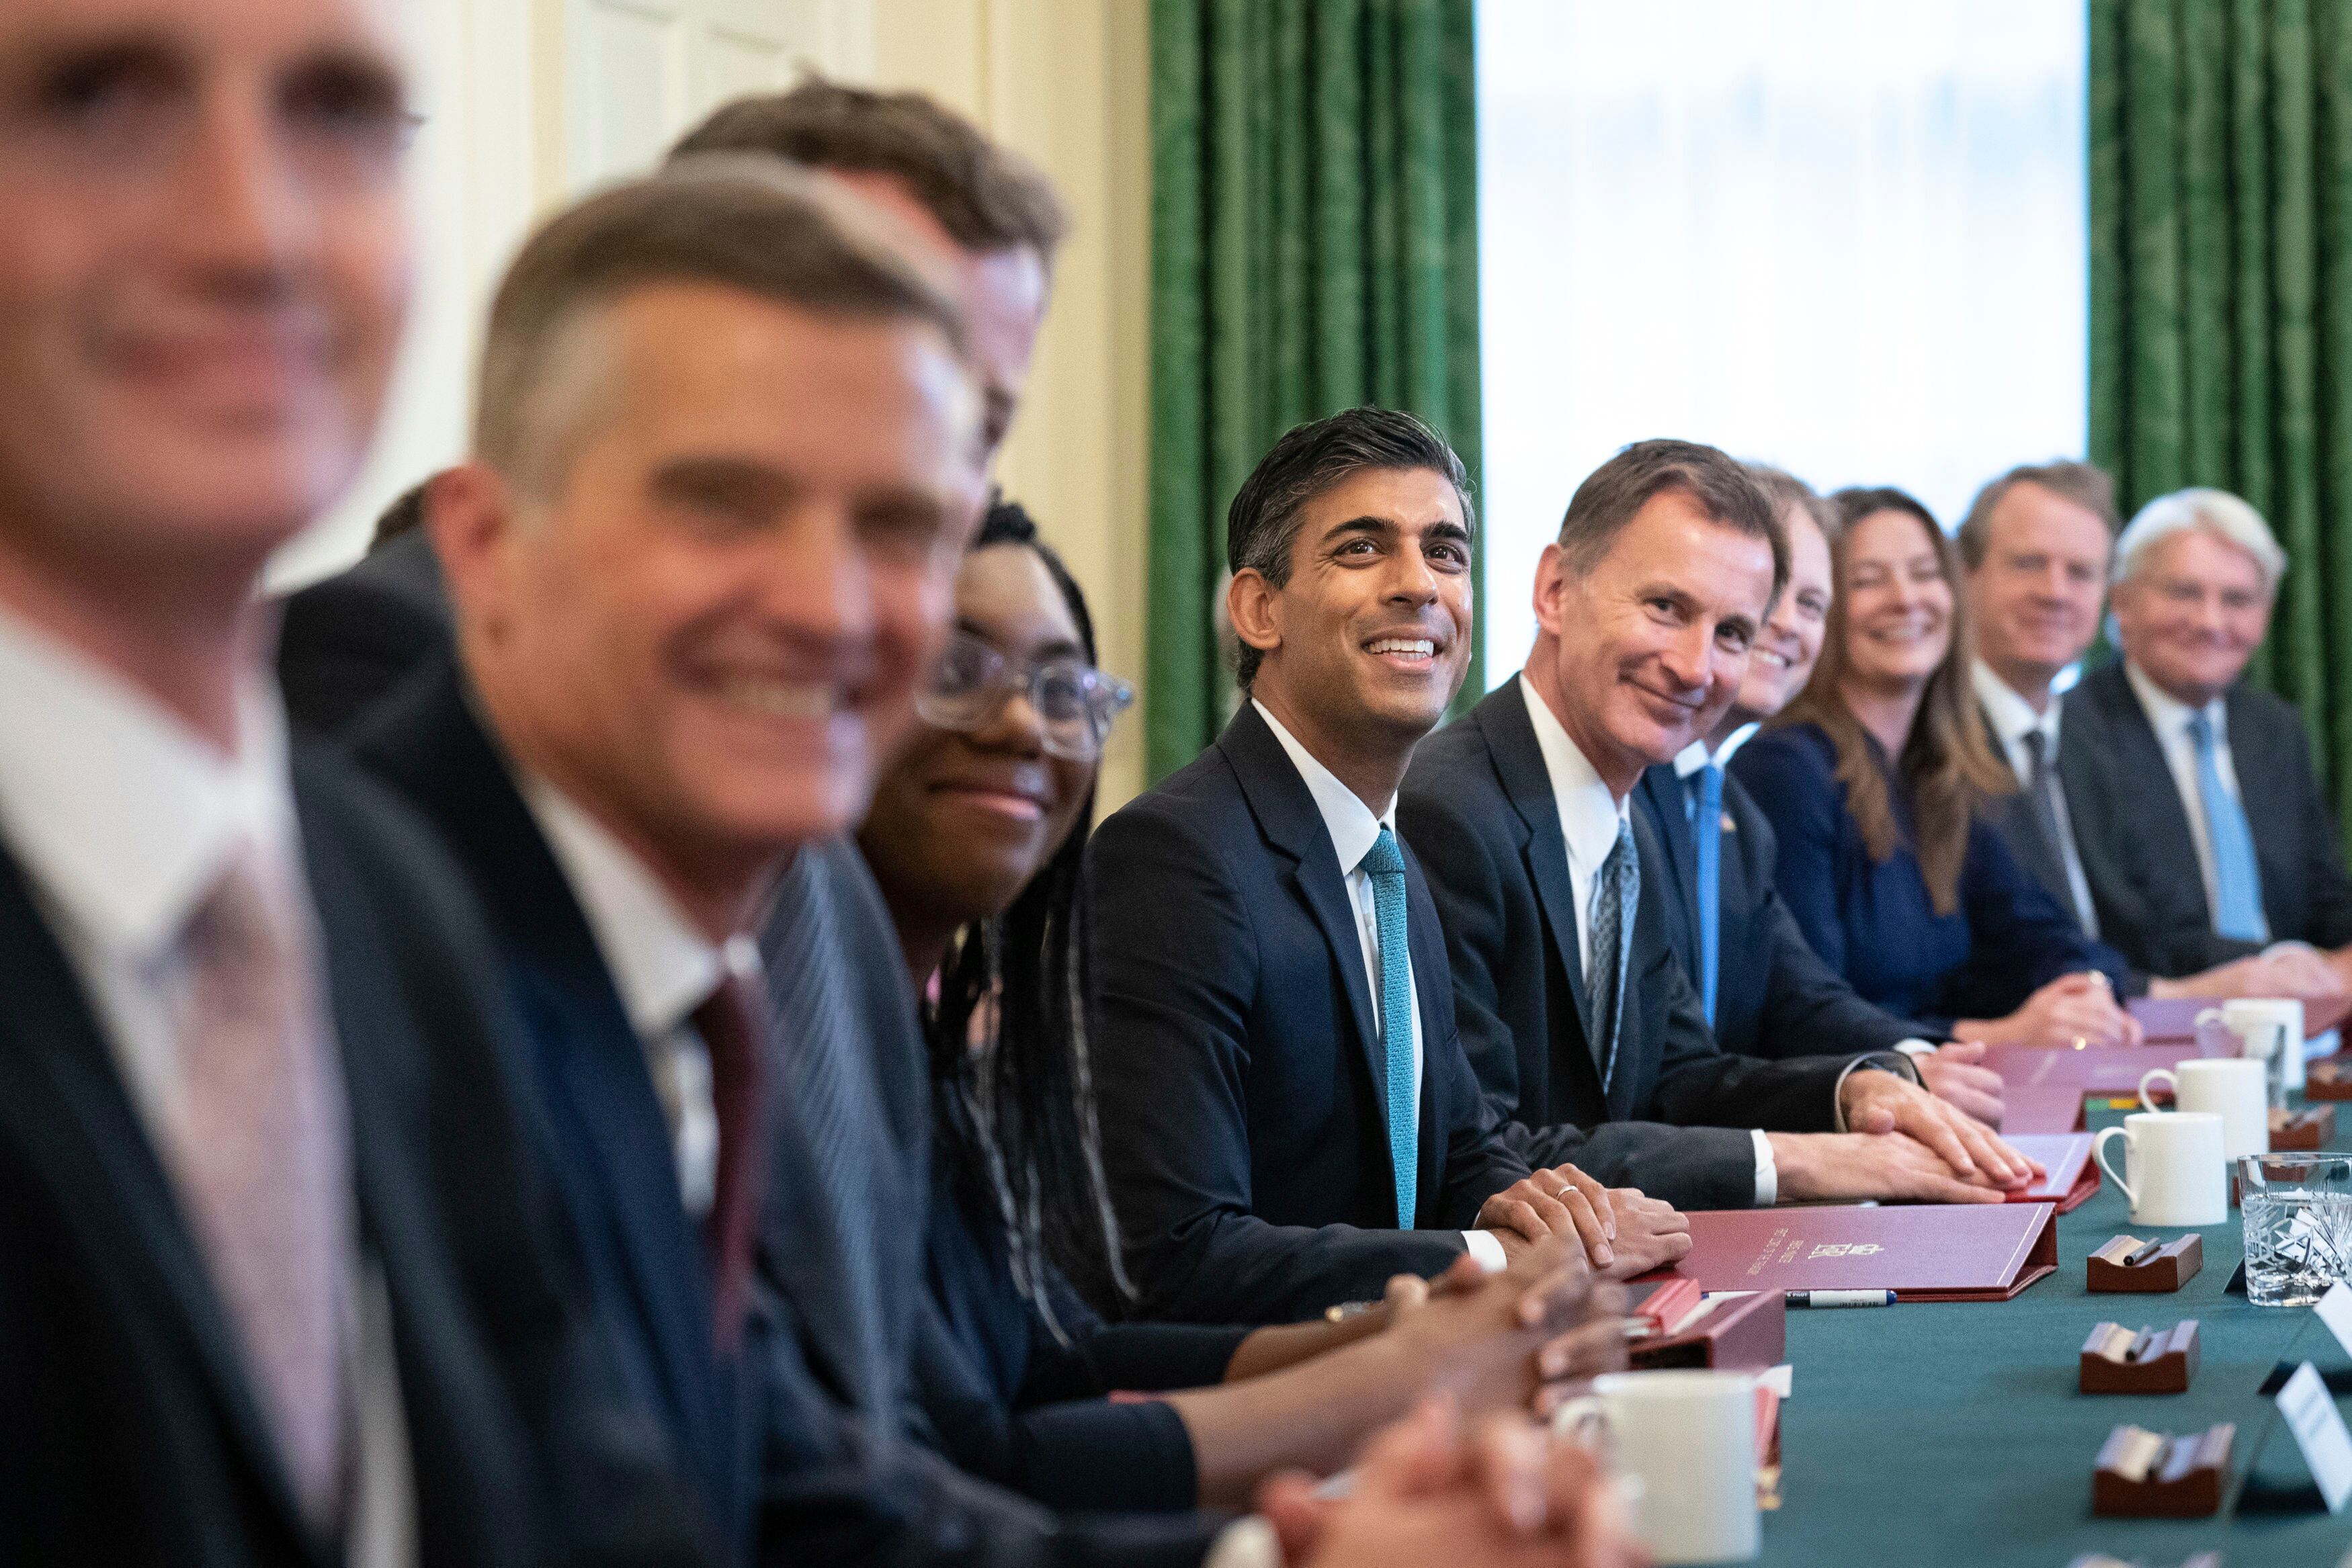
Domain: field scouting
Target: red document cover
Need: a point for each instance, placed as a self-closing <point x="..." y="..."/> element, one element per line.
<point x="1746" y="1333"/>
<point x="2074" y="1175"/>
<point x="1930" y="1252"/>
<point x="2167" y="1023"/>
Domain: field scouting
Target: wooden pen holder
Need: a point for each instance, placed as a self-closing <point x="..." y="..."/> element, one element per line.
<point x="2327" y="1080"/>
<point x="2152" y="1475"/>
<point x="2313" y="1127"/>
<point x="2118" y="1360"/>
<point x="2172" y="1265"/>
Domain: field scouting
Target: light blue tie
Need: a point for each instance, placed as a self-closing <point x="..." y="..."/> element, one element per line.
<point x="1385" y="865"/>
<point x="2237" y="877"/>
<point x="1706" y="832"/>
<point x="1616" y="894"/>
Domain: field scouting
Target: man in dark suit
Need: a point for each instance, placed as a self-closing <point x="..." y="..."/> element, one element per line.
<point x="2212" y="840"/>
<point x="1575" y="1012"/>
<point x="2036" y="544"/>
<point x="1288" y="1117"/>
<point x="347" y="641"/>
<point x="284" y="1282"/>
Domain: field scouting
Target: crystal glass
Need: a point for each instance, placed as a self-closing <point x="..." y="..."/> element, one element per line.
<point x="2298" y="1217"/>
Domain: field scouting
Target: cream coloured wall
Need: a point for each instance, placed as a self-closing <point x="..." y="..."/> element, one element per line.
<point x="528" y="102"/>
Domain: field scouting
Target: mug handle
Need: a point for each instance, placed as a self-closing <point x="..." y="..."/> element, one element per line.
<point x="2099" y="1153"/>
<point x="2150" y="1076"/>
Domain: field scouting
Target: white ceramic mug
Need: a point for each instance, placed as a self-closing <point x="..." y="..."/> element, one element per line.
<point x="1689" y="1439"/>
<point x="2173" y="1170"/>
<point x="2234" y="1088"/>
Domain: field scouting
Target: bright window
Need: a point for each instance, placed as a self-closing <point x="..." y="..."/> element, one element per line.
<point x="1846" y="236"/>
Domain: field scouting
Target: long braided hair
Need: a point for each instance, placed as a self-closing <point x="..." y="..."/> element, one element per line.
<point x="1011" y="1032"/>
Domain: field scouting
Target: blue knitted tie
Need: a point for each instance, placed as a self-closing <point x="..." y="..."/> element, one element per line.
<point x="1706" y="832"/>
<point x="1384" y="863"/>
<point x="2237" y="878"/>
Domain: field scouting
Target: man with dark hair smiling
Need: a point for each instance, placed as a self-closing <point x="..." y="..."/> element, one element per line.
<point x="1290" y="1118"/>
<point x="1581" y="1024"/>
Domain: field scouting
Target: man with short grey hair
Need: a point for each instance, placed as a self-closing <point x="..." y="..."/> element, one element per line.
<point x="2205" y="785"/>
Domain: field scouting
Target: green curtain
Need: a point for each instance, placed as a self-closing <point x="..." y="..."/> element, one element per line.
<point x="1313" y="246"/>
<point x="2220" y="173"/>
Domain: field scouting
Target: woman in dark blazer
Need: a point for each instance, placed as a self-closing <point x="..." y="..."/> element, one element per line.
<point x="1872" y="778"/>
<point x="976" y="837"/>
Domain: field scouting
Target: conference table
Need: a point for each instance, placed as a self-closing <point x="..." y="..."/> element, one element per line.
<point x="1953" y="1432"/>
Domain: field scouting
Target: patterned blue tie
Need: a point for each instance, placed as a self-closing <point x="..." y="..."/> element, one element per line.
<point x="1703" y="798"/>
<point x="1616" y="894"/>
<point x="2237" y="878"/>
<point x="1384" y="863"/>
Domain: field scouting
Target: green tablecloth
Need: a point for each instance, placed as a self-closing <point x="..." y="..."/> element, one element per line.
<point x="1953" y="1432"/>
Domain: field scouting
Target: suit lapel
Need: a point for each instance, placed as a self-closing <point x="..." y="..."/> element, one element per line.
<point x="65" y="1111"/>
<point x="1290" y="824"/>
<point x="1510" y="735"/>
<point x="2140" y="769"/>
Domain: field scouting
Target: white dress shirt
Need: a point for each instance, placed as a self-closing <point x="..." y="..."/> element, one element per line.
<point x="2169" y="719"/>
<point x="662" y="966"/>
<point x="1353" y="829"/>
<point x="1590" y="816"/>
<point x="2013" y="719"/>
<point x="124" y="820"/>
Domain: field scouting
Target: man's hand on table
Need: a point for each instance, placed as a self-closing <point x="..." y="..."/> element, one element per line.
<point x="1623" y="1232"/>
<point x="1847" y="1166"/>
<point x="1882" y="1102"/>
<point x="1956" y="1074"/>
<point x="1510" y="1496"/>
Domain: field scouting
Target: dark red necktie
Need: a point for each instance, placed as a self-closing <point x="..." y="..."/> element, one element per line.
<point x="732" y="1027"/>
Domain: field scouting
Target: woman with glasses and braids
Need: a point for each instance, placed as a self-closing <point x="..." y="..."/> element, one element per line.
<point x="976" y="835"/>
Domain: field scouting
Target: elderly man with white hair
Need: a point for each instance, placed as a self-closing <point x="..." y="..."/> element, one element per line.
<point x="2207" y="799"/>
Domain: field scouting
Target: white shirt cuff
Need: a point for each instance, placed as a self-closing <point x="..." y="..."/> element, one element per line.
<point x="1916" y="1049"/>
<point x="1768" y="1170"/>
<point x="1247" y="1543"/>
<point x="1487" y="1248"/>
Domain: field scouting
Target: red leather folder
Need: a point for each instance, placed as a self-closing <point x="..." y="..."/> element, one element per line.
<point x="1927" y="1252"/>
<point x="2074" y="1175"/>
<point x="2166" y="1022"/>
<point x="1736" y="1333"/>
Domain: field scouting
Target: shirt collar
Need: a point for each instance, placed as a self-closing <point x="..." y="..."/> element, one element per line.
<point x="2167" y="715"/>
<point x="1349" y="821"/>
<point x="662" y="966"/>
<point x="122" y="815"/>
<point x="1589" y="814"/>
<point x="2012" y="716"/>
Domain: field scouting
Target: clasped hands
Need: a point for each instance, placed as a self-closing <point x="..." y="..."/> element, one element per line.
<point x="1623" y="1232"/>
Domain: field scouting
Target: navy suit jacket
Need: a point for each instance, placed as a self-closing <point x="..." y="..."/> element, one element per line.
<point x="1774" y="997"/>
<point x="1240" y="1069"/>
<point x="610" y="1143"/>
<point x="796" y="1440"/>
<point x="1479" y="806"/>
<point x="2141" y="862"/>
<point x="131" y="1434"/>
<point x="1874" y="921"/>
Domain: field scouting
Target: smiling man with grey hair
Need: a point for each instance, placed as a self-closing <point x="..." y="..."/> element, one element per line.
<point x="2207" y="787"/>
